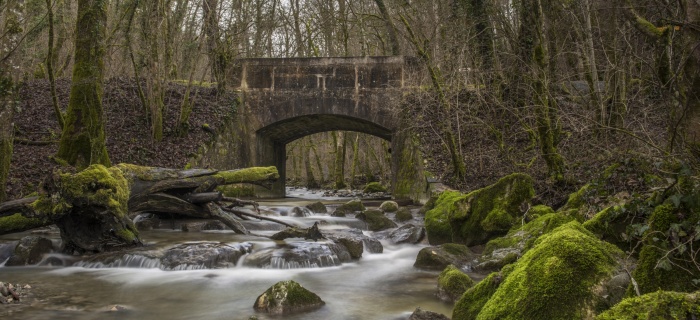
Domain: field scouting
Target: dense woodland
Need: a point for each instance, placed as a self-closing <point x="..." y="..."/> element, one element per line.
<point x="597" y="96"/>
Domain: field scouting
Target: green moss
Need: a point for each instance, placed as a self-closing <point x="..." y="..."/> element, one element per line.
<point x="538" y="211"/>
<point x="438" y="258"/>
<point x="491" y="211"/>
<point x="610" y="225"/>
<point x="554" y="279"/>
<point x="474" y="299"/>
<point x="660" y="266"/>
<point x="287" y="297"/>
<point x="437" y="220"/>
<point x="17" y="222"/>
<point x="523" y="237"/>
<point x="577" y="199"/>
<point x="476" y="217"/>
<point x="249" y="175"/>
<point x="374" y="187"/>
<point x="656" y="305"/>
<point x="376" y="220"/>
<point x="452" y="282"/>
<point x="404" y="214"/>
<point x="429" y="205"/>
<point x="389" y="206"/>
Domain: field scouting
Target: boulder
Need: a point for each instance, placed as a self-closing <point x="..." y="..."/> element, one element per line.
<point x="420" y="314"/>
<point x="656" y="305"/>
<point x="350" y="207"/>
<point x="287" y="297"/>
<point x="376" y="220"/>
<point x="204" y="255"/>
<point x="403" y="214"/>
<point x="30" y="250"/>
<point x="355" y="241"/>
<point x="317" y="207"/>
<point x="480" y="215"/>
<point x="473" y="300"/>
<point x="408" y="233"/>
<point x="299" y="255"/>
<point x="452" y="283"/>
<point x="389" y="206"/>
<point x="438" y="258"/>
<point x="300" y="212"/>
<point x="557" y="279"/>
<point x="199" y="226"/>
<point x="504" y="250"/>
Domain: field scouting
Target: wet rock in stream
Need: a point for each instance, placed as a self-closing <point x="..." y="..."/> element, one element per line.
<point x="299" y="255"/>
<point x="286" y="297"/>
<point x="30" y="250"/>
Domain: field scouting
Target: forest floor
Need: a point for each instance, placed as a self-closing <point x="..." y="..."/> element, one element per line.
<point x="127" y="129"/>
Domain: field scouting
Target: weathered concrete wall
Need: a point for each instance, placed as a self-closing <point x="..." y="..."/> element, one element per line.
<point x="287" y="99"/>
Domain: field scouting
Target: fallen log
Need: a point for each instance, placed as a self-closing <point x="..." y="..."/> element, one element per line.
<point x="93" y="208"/>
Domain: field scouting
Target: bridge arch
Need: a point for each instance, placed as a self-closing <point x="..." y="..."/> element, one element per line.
<point x="287" y="99"/>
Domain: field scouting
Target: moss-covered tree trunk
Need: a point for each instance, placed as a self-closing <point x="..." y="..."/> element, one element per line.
<point x="93" y="208"/>
<point x="390" y="29"/>
<point x="83" y="138"/>
<point x="153" y="33"/>
<point x="533" y="52"/>
<point x="50" y="59"/>
<point x="10" y="31"/>
<point x="339" y="168"/>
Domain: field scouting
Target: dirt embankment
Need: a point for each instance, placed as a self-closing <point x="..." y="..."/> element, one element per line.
<point x="127" y="129"/>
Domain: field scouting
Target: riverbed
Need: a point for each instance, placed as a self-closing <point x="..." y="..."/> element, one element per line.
<point x="376" y="286"/>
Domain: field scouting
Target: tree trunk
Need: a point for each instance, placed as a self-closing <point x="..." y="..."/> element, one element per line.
<point x="10" y="29"/>
<point x="390" y="29"/>
<point x="92" y="208"/>
<point x="153" y="26"/>
<point x="83" y="139"/>
<point x="50" y="59"/>
<point x="217" y="58"/>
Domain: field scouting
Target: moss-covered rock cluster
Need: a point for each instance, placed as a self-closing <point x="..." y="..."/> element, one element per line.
<point x="376" y="220"/>
<point x="556" y="279"/>
<point x="656" y="305"/>
<point x="350" y="207"/>
<point x="480" y="215"/>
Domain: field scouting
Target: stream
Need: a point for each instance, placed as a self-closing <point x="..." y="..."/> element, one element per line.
<point x="376" y="286"/>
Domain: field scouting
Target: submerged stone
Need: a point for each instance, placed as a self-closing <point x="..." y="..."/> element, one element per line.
<point x="286" y="297"/>
<point x="420" y="314"/>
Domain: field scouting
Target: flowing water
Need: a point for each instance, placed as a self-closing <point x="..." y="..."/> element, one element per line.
<point x="377" y="286"/>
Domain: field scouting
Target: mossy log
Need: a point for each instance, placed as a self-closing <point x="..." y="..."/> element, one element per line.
<point x="93" y="208"/>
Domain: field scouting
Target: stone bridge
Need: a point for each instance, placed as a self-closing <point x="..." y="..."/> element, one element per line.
<point x="288" y="98"/>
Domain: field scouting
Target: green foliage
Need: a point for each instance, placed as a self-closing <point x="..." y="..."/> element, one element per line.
<point x="554" y="279"/>
<point x="656" y="305"/>
<point x="453" y="282"/>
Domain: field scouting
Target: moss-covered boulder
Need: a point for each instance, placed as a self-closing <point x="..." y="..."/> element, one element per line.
<point x="420" y="314"/>
<point x="350" y="207"/>
<point x="656" y="305"/>
<point x="612" y="224"/>
<point x="473" y="300"/>
<point x="404" y="214"/>
<point x="30" y="250"/>
<point x="452" y="283"/>
<point x="376" y="220"/>
<point x="374" y="187"/>
<point x="507" y="249"/>
<point x="287" y="297"/>
<point x="439" y="257"/>
<point x="480" y="215"/>
<point x="389" y="206"/>
<point x="317" y="207"/>
<point x="556" y="279"/>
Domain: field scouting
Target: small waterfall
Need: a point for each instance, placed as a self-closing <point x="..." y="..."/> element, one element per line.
<point x="126" y="261"/>
<point x="319" y="262"/>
